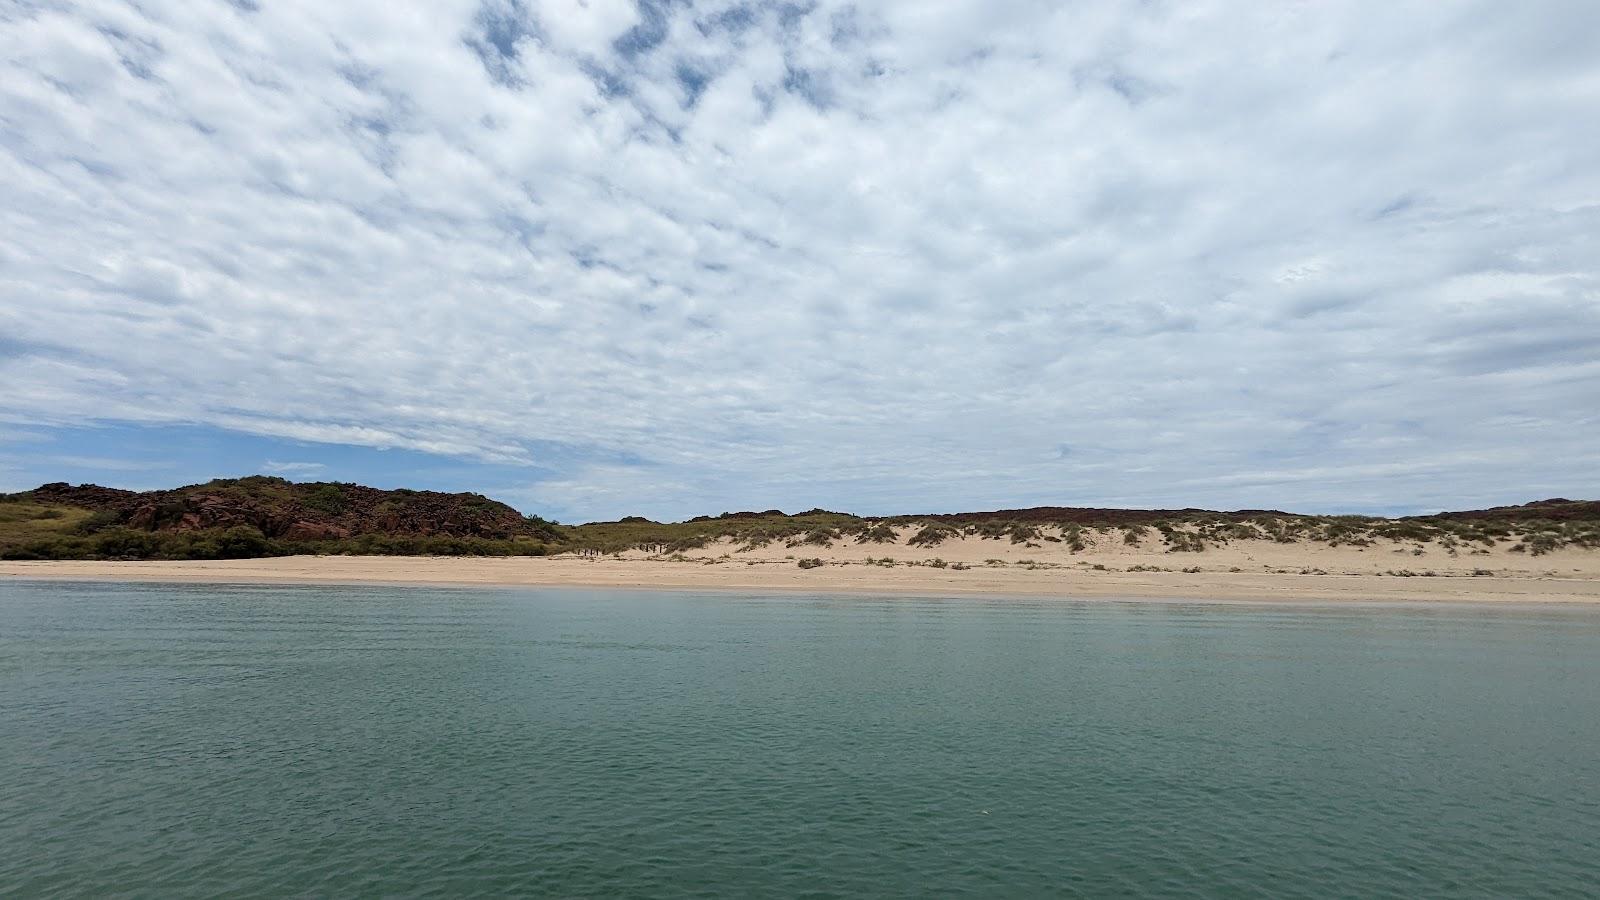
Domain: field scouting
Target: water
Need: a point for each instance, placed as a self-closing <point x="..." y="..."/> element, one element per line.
<point x="170" y="741"/>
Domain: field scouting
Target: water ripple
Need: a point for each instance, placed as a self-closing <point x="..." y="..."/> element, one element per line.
<point x="251" y="741"/>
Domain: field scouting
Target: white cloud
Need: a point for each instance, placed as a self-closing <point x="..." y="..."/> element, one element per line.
<point x="291" y="468"/>
<point x="585" y="27"/>
<point x="886" y="256"/>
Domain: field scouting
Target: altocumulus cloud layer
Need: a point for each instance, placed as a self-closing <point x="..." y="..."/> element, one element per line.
<point x="675" y="257"/>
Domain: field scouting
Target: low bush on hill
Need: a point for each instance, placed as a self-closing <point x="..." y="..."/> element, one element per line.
<point x="933" y="535"/>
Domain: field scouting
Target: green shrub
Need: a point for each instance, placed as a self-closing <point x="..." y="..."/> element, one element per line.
<point x="876" y="534"/>
<point x="932" y="535"/>
<point x="821" y="537"/>
<point x="124" y="543"/>
<point x="1542" y="543"/>
<point x="328" y="498"/>
<point x="1074" y="539"/>
<point x="1183" y="542"/>
<point x="98" y="521"/>
<point x="243" y="542"/>
<point x="48" y="548"/>
<point x="1023" y="533"/>
<point x="1405" y="531"/>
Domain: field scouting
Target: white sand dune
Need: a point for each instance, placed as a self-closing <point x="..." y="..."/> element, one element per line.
<point x="1107" y="568"/>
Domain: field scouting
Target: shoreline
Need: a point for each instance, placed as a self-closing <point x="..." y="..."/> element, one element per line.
<point x="842" y="578"/>
<point x="1320" y="601"/>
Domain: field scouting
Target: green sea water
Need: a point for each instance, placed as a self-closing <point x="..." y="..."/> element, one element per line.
<point x="168" y="741"/>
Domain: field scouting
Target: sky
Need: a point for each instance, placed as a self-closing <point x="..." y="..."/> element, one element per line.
<point x="661" y="258"/>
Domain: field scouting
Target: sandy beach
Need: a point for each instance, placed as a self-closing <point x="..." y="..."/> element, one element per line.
<point x="1243" y="570"/>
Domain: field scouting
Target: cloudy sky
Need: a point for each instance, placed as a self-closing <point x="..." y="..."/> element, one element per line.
<point x="667" y="258"/>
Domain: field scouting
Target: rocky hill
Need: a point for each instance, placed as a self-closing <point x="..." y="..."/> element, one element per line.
<point x="295" y="511"/>
<point x="1557" y="509"/>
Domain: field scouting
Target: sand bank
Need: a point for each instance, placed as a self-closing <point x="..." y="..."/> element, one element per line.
<point x="1243" y="570"/>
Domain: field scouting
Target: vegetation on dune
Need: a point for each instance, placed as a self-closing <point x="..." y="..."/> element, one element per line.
<point x="749" y="531"/>
<point x="877" y="534"/>
<point x="933" y="535"/>
<point x="262" y="516"/>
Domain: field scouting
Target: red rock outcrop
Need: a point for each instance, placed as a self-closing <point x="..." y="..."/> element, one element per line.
<point x="301" y="511"/>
